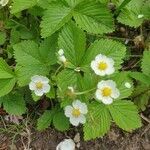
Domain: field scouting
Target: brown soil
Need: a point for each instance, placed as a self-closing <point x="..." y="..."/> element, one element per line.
<point x="48" y="140"/>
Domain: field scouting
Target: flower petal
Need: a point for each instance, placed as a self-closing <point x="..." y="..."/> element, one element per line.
<point x="82" y="119"/>
<point x="76" y="104"/>
<point x="74" y="121"/>
<point x="32" y="86"/>
<point x="39" y="92"/>
<point x="83" y="108"/>
<point x="107" y="100"/>
<point x="68" y="111"/>
<point x="46" y="88"/>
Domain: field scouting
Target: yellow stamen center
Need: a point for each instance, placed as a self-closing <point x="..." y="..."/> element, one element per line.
<point x="106" y="91"/>
<point x="76" y="112"/>
<point x="39" y="85"/>
<point x="102" y="66"/>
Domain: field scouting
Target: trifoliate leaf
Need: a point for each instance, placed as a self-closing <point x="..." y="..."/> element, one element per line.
<point x="110" y="48"/>
<point x="130" y="13"/>
<point x="72" y="40"/>
<point x="125" y="115"/>
<point x="19" y="5"/>
<point x="93" y="17"/>
<point x="54" y="18"/>
<point x="14" y="104"/>
<point x="146" y="62"/>
<point x="45" y="120"/>
<point x="97" y="121"/>
<point x="60" y="121"/>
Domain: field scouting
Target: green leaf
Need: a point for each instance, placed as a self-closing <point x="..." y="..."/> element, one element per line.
<point x="32" y="60"/>
<point x="6" y="85"/>
<point x="129" y="14"/>
<point x="45" y="120"/>
<point x="146" y="62"/>
<point x="60" y="121"/>
<point x="98" y="121"/>
<point x="125" y="115"/>
<point x="19" y="5"/>
<point x="24" y="73"/>
<point x="47" y="49"/>
<point x="141" y="96"/>
<point x="72" y="40"/>
<point x="45" y="3"/>
<point x="66" y="78"/>
<point x="14" y="104"/>
<point x="110" y="48"/>
<point x="122" y="5"/>
<point x="2" y="38"/>
<point x="145" y="10"/>
<point x="140" y="77"/>
<point x="87" y="84"/>
<point x="5" y="71"/>
<point x="120" y="79"/>
<point x="93" y="17"/>
<point x="73" y="3"/>
<point x="54" y="18"/>
<point x="7" y="78"/>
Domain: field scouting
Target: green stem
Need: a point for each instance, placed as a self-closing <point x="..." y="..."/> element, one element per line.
<point x="84" y="92"/>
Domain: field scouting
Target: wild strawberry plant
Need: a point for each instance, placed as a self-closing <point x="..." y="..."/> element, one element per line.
<point x="58" y="50"/>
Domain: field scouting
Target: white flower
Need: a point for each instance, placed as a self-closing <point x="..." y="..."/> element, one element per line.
<point x="67" y="144"/>
<point x="61" y="56"/>
<point x="140" y="16"/>
<point x="76" y="112"/>
<point x="127" y="85"/>
<point x="107" y="91"/>
<point x="39" y="85"/>
<point x="4" y="2"/>
<point x="103" y="65"/>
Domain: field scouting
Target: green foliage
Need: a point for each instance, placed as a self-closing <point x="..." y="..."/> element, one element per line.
<point x="107" y="47"/>
<point x="60" y="121"/>
<point x="32" y="59"/>
<point x="7" y="78"/>
<point x="98" y="121"/>
<point x="31" y="34"/>
<point x="145" y="63"/>
<point x="2" y="38"/>
<point x="141" y="96"/>
<point x="89" y="18"/>
<point x="19" y="5"/>
<point x="54" y="18"/>
<point x="45" y="120"/>
<point x="129" y="14"/>
<point x="14" y="104"/>
<point x="86" y="14"/>
<point x="121" y="79"/>
<point x="125" y="115"/>
<point x="73" y="41"/>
